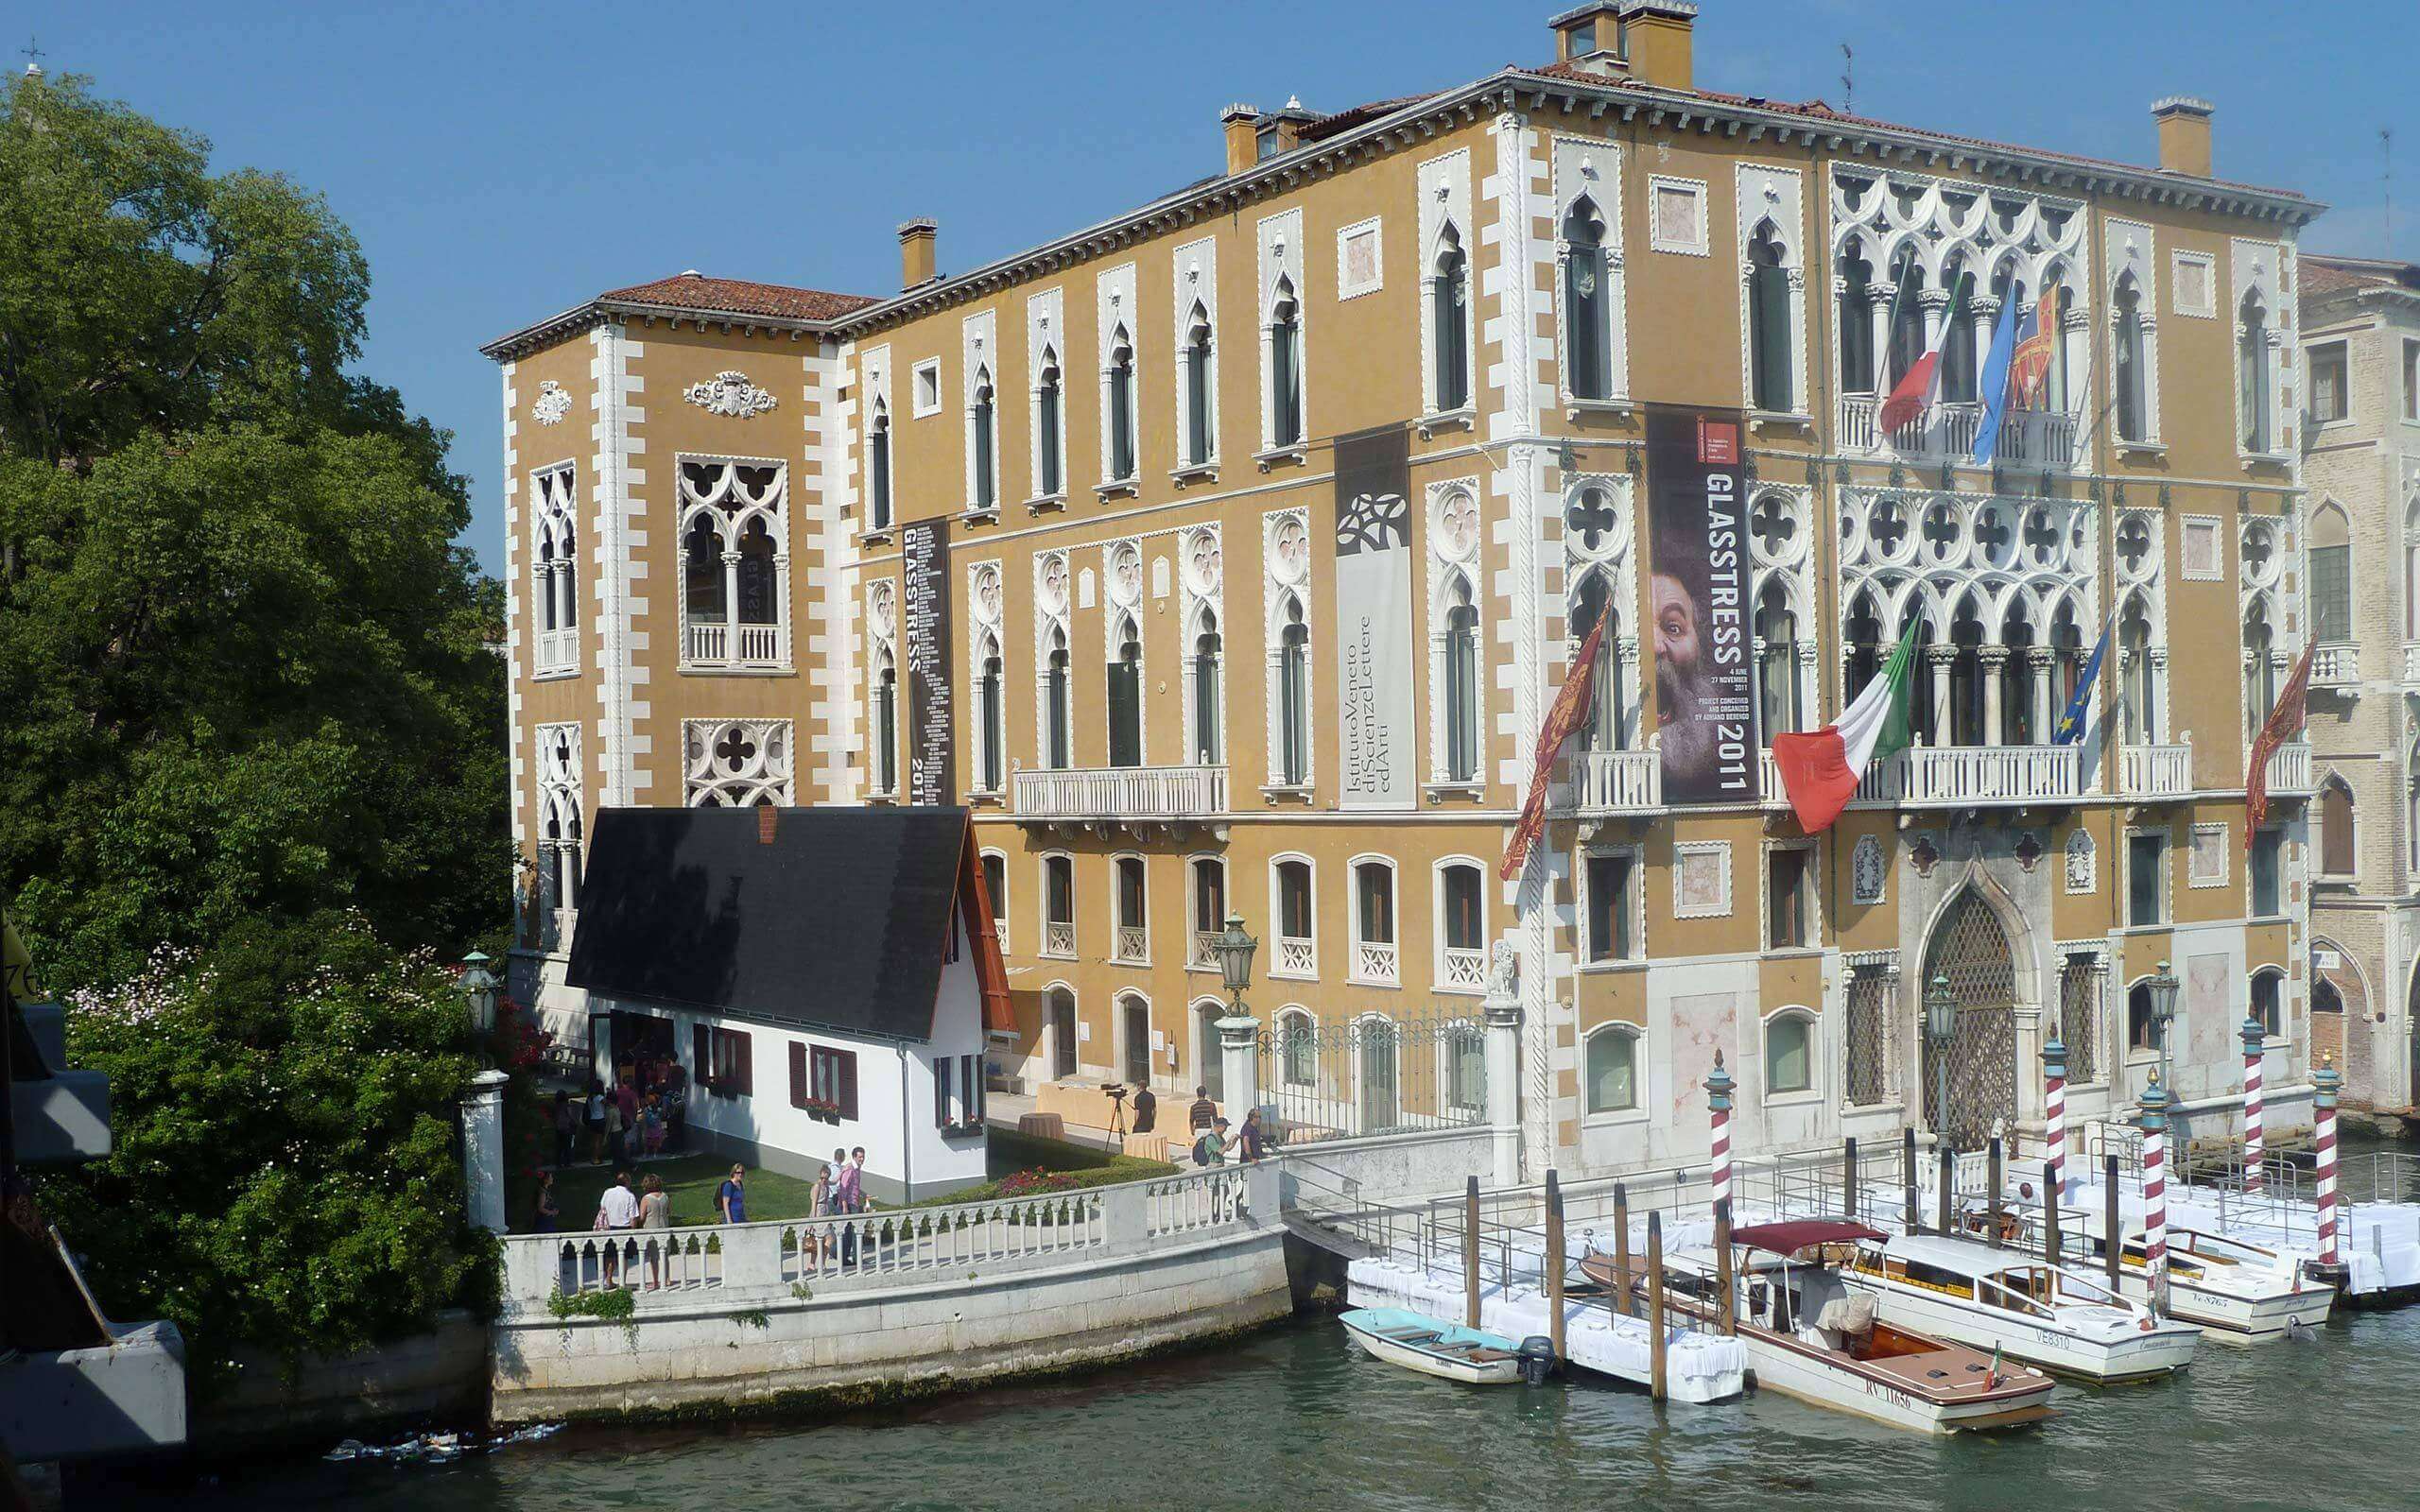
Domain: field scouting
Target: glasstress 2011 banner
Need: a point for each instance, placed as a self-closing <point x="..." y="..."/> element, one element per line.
<point x="1696" y="606"/>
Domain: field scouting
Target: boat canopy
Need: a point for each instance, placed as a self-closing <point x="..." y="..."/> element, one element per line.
<point x="1790" y="1237"/>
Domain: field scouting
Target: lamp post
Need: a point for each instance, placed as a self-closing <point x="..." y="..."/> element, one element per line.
<point x="1238" y="1036"/>
<point x="478" y="986"/>
<point x="2162" y="987"/>
<point x="1941" y="1030"/>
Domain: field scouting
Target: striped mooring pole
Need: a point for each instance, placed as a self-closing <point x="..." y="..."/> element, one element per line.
<point x="2256" y="1044"/>
<point x="2154" y="1110"/>
<point x="1717" y="1104"/>
<point x="2328" y="1083"/>
<point x="2054" y="1102"/>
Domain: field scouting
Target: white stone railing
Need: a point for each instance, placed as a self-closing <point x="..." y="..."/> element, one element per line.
<point x="2335" y="666"/>
<point x="2412" y="660"/>
<point x="2290" y="767"/>
<point x="2155" y="771"/>
<point x="1059" y="937"/>
<point x="798" y="1257"/>
<point x="1374" y="961"/>
<point x="1198" y="953"/>
<point x="557" y="650"/>
<point x="1132" y="943"/>
<point x="1948" y="430"/>
<point x="1619" y="782"/>
<point x="746" y="646"/>
<point x="1122" y="793"/>
<point x="1297" y="956"/>
<point x="1462" y="970"/>
<point x="1977" y="775"/>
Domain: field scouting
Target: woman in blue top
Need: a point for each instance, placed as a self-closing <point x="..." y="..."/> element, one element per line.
<point x="730" y="1198"/>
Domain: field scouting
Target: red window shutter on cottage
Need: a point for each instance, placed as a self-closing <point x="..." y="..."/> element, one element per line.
<point x="798" y="1074"/>
<point x="702" y="1041"/>
<point x="745" y="1064"/>
<point x="848" y="1079"/>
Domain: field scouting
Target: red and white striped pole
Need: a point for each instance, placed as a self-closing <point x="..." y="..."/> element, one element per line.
<point x="2256" y="1045"/>
<point x="1717" y="1104"/>
<point x="2054" y="1102"/>
<point x="2155" y="1108"/>
<point x="2323" y="1136"/>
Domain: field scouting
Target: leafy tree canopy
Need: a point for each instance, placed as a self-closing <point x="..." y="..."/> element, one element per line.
<point x="283" y="1173"/>
<point x="248" y="674"/>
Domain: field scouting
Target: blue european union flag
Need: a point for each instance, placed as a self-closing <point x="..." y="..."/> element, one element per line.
<point x="2070" y="727"/>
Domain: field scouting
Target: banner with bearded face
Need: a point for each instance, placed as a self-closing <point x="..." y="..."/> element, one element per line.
<point x="1698" y="606"/>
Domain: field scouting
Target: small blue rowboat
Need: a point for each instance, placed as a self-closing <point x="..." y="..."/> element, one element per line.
<point x="1446" y="1351"/>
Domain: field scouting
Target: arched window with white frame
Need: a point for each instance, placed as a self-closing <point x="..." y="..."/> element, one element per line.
<point x="982" y="447"/>
<point x="1208" y="1055"/>
<point x="885" y="722"/>
<point x="1298" y="1049"/>
<point x="1771" y="364"/>
<point x="1206" y="904"/>
<point x="1587" y="305"/>
<point x="1050" y="432"/>
<point x="1789" y="1052"/>
<point x="1290" y="652"/>
<point x="1376" y="960"/>
<point x="995" y="892"/>
<point x="879" y="468"/>
<point x="1058" y="733"/>
<point x="553" y="566"/>
<point x="1197" y="372"/>
<point x="1059" y="1025"/>
<point x="1610" y="1080"/>
<point x="1203" y="677"/>
<point x="1449" y="339"/>
<point x="1132" y="943"/>
<point x="1117" y="404"/>
<point x="1284" y="368"/>
<point x="2268" y="1001"/>
<point x="1293" y="910"/>
<point x="735" y="578"/>
<point x="991" y="716"/>
<point x="1059" y="905"/>
<point x="1125" y="696"/>
<point x="1377" y="1074"/>
<point x="2411" y="559"/>
<point x="2256" y="401"/>
<point x="2130" y="360"/>
<point x="1460" y="682"/>
<point x="2340" y="854"/>
<point x="1592" y="603"/>
<point x="1461" y="925"/>
<point x="1134" y="1038"/>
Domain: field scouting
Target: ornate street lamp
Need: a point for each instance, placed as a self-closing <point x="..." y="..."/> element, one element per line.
<point x="1940" y="1029"/>
<point x="479" y="985"/>
<point x="2162" y="987"/>
<point x="1235" y="948"/>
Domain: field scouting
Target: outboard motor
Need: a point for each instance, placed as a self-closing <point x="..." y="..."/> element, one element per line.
<point x="1537" y="1360"/>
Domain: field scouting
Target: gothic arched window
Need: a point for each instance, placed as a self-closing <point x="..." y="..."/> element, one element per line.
<point x="1769" y="324"/>
<point x="1586" y="324"/>
<point x="1449" y="322"/>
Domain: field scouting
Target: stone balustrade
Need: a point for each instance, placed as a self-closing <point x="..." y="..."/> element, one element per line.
<point x="2335" y="666"/>
<point x="1975" y="776"/>
<point x="2289" y="768"/>
<point x="1111" y="793"/>
<point x="1619" y="782"/>
<point x="2155" y="771"/>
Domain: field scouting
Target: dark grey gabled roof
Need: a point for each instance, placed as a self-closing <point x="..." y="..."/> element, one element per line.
<point x="840" y="919"/>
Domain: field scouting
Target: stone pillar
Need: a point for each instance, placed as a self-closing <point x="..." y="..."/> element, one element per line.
<point x="1939" y="659"/>
<point x="2039" y="665"/>
<point x="1504" y="1086"/>
<point x="1239" y="1063"/>
<point x="483" y="1150"/>
<point x="1995" y="660"/>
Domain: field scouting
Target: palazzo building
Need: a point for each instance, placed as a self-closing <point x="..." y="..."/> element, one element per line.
<point x="1227" y="555"/>
<point x="2361" y="339"/>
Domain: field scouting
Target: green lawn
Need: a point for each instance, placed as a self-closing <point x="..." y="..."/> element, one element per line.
<point x="691" y="1180"/>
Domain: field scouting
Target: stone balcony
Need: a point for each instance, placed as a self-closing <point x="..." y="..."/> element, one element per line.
<point x="1975" y="777"/>
<point x="1945" y="433"/>
<point x="1145" y="799"/>
<point x="2410" y="664"/>
<point x="744" y="646"/>
<point x="1617" y="781"/>
<point x="2155" y="771"/>
<point x="2336" y="664"/>
<point x="2289" y="770"/>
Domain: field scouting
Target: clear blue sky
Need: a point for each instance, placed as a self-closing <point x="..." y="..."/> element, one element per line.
<point x="501" y="163"/>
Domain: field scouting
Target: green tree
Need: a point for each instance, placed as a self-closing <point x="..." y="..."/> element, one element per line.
<point x="283" y="1173"/>
<point x="247" y="675"/>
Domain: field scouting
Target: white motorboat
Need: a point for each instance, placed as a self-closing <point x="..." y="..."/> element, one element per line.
<point x="1809" y="1336"/>
<point x="2236" y="1291"/>
<point x="2007" y="1299"/>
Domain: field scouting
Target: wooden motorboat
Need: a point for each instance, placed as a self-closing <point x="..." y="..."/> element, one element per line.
<point x="1446" y="1351"/>
<point x="2237" y="1293"/>
<point x="2050" y="1315"/>
<point x="1809" y="1336"/>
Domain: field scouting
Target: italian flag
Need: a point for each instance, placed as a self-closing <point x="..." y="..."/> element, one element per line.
<point x="1821" y="768"/>
<point x="1921" y="384"/>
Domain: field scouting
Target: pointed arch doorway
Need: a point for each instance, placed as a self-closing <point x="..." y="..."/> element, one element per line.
<point x="1971" y="949"/>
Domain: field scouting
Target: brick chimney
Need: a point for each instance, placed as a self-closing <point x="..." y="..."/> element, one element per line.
<point x="769" y="819"/>
<point x="916" y="246"/>
<point x="1655" y="35"/>
<point x="2183" y="135"/>
<point x="1241" y="123"/>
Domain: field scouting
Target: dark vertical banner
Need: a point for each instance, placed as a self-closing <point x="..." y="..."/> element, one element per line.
<point x="1373" y="631"/>
<point x="932" y="772"/>
<point x="1697" y="605"/>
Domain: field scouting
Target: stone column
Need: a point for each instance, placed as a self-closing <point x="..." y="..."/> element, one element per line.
<point x="483" y="1150"/>
<point x="1239" y="1063"/>
<point x="2039" y="664"/>
<point x="1995" y="660"/>
<point x="1939" y="659"/>
<point x="1504" y="1085"/>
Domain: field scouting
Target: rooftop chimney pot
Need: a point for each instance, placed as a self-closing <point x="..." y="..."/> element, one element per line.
<point x="2184" y="124"/>
<point x="917" y="239"/>
<point x="1241" y="125"/>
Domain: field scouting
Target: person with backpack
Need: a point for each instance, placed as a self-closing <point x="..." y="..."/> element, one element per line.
<point x="1211" y="1148"/>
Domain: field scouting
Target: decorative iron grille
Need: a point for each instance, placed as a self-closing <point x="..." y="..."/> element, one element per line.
<point x="1372" y="1075"/>
<point x="1972" y="952"/>
<point x="2080" y="1016"/>
<point x="1871" y="1071"/>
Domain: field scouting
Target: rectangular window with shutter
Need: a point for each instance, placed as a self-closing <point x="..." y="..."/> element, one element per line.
<point x="942" y="1111"/>
<point x="832" y="1077"/>
<point x="798" y="1074"/>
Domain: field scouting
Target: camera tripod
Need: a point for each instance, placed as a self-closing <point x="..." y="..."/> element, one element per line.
<point x="1117" y="1113"/>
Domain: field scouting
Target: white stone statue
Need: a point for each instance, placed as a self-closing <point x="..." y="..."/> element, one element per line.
<point x="1504" y="970"/>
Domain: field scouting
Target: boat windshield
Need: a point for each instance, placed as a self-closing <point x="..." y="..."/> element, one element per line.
<point x="2025" y="1289"/>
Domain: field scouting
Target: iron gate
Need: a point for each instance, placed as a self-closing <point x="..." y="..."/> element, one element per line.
<point x="1970" y="949"/>
<point x="1371" y="1076"/>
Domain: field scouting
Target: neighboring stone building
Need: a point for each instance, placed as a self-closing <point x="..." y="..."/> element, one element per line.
<point x="1226" y="556"/>
<point x="2360" y="338"/>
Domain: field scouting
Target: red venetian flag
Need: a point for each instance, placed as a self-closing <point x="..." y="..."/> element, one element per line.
<point x="1921" y="384"/>
<point x="1570" y="707"/>
<point x="2029" y="369"/>
<point x="2284" y="723"/>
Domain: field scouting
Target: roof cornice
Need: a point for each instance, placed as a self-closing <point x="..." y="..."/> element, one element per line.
<point x="583" y="318"/>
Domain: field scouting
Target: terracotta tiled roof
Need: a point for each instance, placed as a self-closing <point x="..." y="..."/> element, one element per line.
<point x="1818" y="110"/>
<point x="2323" y="275"/>
<point x="1328" y="125"/>
<point x="732" y="296"/>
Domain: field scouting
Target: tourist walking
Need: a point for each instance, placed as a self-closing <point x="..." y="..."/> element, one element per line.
<point x="566" y="1125"/>
<point x="847" y="1196"/>
<point x="595" y="1122"/>
<point x="1211" y="1148"/>
<point x="548" y="1211"/>
<point x="613" y="1141"/>
<point x="730" y="1198"/>
<point x="652" y="1125"/>
<point x="655" y="1212"/>
<point x="617" y="1212"/>
<point x="1249" y="1146"/>
<point x="1147" y="1109"/>
<point x="1205" y="1112"/>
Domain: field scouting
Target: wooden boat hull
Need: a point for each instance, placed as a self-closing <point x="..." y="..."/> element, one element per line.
<point x="2114" y="1360"/>
<point x="1410" y="1341"/>
<point x="1808" y="1378"/>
